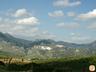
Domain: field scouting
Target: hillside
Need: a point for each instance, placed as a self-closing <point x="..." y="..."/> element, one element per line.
<point x="54" y="65"/>
<point x="44" y="48"/>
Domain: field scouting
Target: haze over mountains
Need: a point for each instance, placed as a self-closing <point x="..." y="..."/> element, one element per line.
<point x="26" y="43"/>
<point x="42" y="48"/>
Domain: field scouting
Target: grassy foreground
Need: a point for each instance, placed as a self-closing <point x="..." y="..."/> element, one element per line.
<point x="59" y="65"/>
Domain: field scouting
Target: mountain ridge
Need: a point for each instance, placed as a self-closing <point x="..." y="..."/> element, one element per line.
<point x="43" y="48"/>
<point x="26" y="43"/>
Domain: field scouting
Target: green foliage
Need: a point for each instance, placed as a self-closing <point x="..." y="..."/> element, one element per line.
<point x="53" y="65"/>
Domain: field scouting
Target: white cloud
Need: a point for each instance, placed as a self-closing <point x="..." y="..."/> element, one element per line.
<point x="19" y="31"/>
<point x="33" y="30"/>
<point x="74" y="34"/>
<point x="81" y="39"/>
<point x="10" y="26"/>
<point x="66" y="3"/>
<point x="21" y="13"/>
<point x="58" y="13"/>
<point x="45" y="32"/>
<point x="18" y="28"/>
<point x="44" y="35"/>
<point x="78" y="37"/>
<point x="23" y="27"/>
<point x="6" y="24"/>
<point x="88" y="15"/>
<point x="28" y="21"/>
<point x="71" y="14"/>
<point x="92" y="26"/>
<point x="24" y="31"/>
<point x="68" y="26"/>
<point x="0" y="19"/>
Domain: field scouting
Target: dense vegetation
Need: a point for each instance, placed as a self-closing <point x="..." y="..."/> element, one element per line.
<point x="51" y="65"/>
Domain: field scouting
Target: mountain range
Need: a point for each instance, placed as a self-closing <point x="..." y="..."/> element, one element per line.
<point x="26" y="43"/>
<point x="42" y="47"/>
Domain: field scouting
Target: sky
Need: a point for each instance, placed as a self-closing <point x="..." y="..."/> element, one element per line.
<point x="61" y="20"/>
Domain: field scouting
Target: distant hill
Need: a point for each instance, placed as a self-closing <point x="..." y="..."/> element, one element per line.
<point x="25" y="43"/>
<point x="16" y="41"/>
<point x="43" y="48"/>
